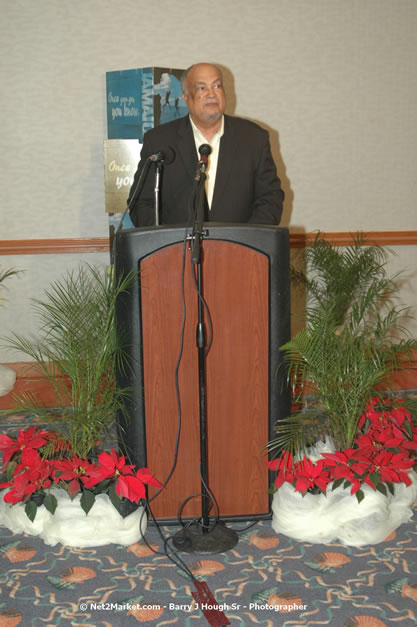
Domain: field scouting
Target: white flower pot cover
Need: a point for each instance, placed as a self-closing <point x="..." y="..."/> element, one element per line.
<point x="337" y="515"/>
<point x="7" y="380"/>
<point x="72" y="527"/>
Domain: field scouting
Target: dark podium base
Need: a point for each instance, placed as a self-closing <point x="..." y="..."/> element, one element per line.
<point x="218" y="539"/>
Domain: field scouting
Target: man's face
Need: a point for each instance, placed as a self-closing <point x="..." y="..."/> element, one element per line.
<point x="204" y="94"/>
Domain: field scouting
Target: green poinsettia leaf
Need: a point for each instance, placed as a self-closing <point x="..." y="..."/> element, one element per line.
<point x="375" y="477"/>
<point x="30" y="510"/>
<point x="50" y="503"/>
<point x="337" y="483"/>
<point x="114" y="498"/>
<point x="87" y="500"/>
<point x="408" y="428"/>
<point x="10" y="468"/>
<point x="360" y="495"/>
<point x="381" y="487"/>
<point x="103" y="486"/>
<point x="391" y="488"/>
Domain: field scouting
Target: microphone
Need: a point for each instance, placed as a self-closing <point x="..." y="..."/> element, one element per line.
<point x="204" y="150"/>
<point x="165" y="156"/>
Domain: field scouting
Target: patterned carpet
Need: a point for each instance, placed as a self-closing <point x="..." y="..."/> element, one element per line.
<point x="264" y="580"/>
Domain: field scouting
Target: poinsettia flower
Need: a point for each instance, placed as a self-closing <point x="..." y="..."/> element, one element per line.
<point x="127" y="484"/>
<point x="393" y="467"/>
<point x="399" y="415"/>
<point x="30" y="461"/>
<point x="20" y="490"/>
<point x="113" y="464"/>
<point x="284" y="467"/>
<point x="375" y="439"/>
<point x="283" y="462"/>
<point x="146" y="476"/>
<point x="380" y="453"/>
<point x="401" y="427"/>
<point x="394" y="476"/>
<point x="342" y="471"/>
<point x="28" y="479"/>
<point x="40" y="476"/>
<point x="32" y="437"/>
<point x="410" y="444"/>
<point x="337" y="458"/>
<point x="132" y="487"/>
<point x="76" y="471"/>
<point x="345" y="465"/>
<point x="309" y="475"/>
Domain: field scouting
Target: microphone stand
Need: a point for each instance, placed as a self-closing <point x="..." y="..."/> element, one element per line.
<point x="138" y="190"/>
<point x="159" y="159"/>
<point x="200" y="538"/>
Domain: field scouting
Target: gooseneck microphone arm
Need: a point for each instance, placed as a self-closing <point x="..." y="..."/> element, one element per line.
<point x="158" y="168"/>
<point x="199" y="197"/>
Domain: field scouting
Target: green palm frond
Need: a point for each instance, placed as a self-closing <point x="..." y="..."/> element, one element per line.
<point x="5" y="274"/>
<point x="79" y="353"/>
<point x="353" y="341"/>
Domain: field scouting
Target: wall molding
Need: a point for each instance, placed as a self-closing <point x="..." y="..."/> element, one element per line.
<point x="101" y="244"/>
<point x="344" y="238"/>
<point x="54" y="246"/>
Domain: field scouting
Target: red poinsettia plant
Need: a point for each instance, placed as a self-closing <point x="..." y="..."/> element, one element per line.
<point x="37" y="460"/>
<point x="381" y="456"/>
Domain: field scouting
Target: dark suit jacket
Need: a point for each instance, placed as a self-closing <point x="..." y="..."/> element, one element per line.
<point x="247" y="188"/>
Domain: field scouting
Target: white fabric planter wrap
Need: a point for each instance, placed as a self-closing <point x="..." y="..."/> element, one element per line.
<point x="337" y="515"/>
<point x="72" y="527"/>
<point x="7" y="380"/>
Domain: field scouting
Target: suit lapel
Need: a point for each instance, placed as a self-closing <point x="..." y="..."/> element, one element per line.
<point x="186" y="147"/>
<point x="226" y="160"/>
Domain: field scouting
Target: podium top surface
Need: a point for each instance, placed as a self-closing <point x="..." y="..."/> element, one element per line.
<point x="139" y="242"/>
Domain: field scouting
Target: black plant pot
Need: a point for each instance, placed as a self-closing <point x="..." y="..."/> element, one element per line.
<point x="126" y="507"/>
<point x="314" y="490"/>
<point x="38" y="499"/>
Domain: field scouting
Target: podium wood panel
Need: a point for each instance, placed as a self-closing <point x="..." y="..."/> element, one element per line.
<point x="235" y="281"/>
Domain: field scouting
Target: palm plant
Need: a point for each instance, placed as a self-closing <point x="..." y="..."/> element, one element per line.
<point x="79" y="354"/>
<point x="5" y="274"/>
<point x="352" y="342"/>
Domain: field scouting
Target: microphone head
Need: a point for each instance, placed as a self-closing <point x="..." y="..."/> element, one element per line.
<point x="204" y="150"/>
<point x="166" y="156"/>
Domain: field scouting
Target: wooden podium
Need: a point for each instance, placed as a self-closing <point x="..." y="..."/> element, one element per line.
<point x="245" y="284"/>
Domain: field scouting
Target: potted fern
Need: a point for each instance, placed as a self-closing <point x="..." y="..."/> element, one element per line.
<point x="343" y="461"/>
<point x="83" y="491"/>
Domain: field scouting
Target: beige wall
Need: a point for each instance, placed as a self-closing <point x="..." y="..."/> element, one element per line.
<point x="334" y="81"/>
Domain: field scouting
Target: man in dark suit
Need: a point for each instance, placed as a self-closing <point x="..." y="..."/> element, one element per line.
<point x="242" y="183"/>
